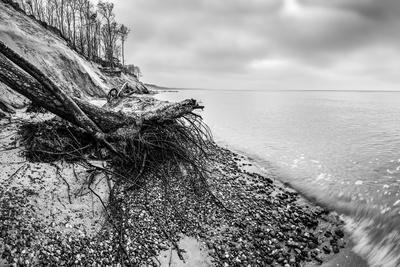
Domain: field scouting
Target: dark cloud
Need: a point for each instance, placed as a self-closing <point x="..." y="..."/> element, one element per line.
<point x="379" y="10"/>
<point x="174" y="38"/>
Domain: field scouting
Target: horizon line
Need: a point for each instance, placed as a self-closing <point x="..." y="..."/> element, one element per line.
<point x="277" y="90"/>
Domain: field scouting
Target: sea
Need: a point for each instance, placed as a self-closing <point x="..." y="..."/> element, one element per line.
<point x="339" y="148"/>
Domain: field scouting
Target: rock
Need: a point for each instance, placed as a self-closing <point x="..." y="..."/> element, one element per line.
<point x="326" y="250"/>
<point x="312" y="245"/>
<point x="328" y="234"/>
<point x="341" y="243"/>
<point x="335" y="249"/>
<point x="269" y="260"/>
<point x="293" y="244"/>
<point x="318" y="259"/>
<point x="283" y="196"/>
<point x="281" y="260"/>
<point x="339" y="233"/>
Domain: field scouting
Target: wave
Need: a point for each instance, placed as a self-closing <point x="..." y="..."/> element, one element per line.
<point x="376" y="246"/>
<point x="374" y="232"/>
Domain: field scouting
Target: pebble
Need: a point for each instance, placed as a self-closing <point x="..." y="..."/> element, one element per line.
<point x="263" y="228"/>
<point x="326" y="249"/>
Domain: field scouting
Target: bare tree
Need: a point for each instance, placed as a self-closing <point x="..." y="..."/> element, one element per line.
<point x="123" y="31"/>
<point x="109" y="30"/>
<point x="92" y="30"/>
<point x="49" y="11"/>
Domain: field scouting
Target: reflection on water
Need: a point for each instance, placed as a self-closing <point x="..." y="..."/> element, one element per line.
<point x="340" y="147"/>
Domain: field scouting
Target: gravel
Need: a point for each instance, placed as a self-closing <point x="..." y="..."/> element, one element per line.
<point x="256" y="221"/>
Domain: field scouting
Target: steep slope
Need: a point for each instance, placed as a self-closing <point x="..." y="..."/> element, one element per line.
<point x="51" y="54"/>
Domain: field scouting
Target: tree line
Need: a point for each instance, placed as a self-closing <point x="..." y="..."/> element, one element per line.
<point x="91" y="29"/>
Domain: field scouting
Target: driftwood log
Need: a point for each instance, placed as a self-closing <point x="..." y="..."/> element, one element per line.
<point x="26" y="79"/>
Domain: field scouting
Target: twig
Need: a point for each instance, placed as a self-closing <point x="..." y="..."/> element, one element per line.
<point x="59" y="200"/>
<point x="108" y="181"/>
<point x="178" y="250"/>
<point x="100" y="168"/>
<point x="108" y="216"/>
<point x="65" y="181"/>
<point x="62" y="153"/>
<point x="9" y="163"/>
<point x="4" y="137"/>
<point x="217" y="201"/>
<point x="139" y="174"/>
<point x="9" y="149"/>
<point x="75" y="174"/>
<point x="170" y="258"/>
<point x="12" y="175"/>
<point x="158" y="261"/>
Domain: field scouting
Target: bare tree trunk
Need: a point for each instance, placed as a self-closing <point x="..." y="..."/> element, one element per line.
<point x="123" y="54"/>
<point x="62" y="18"/>
<point x="95" y="120"/>
<point x="88" y="37"/>
<point x="5" y="107"/>
<point x="74" y="22"/>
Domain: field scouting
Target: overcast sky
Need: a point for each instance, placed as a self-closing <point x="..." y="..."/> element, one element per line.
<point x="265" y="44"/>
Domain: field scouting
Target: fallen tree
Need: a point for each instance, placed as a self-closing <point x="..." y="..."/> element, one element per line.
<point x="41" y="90"/>
<point x="137" y="130"/>
<point x="147" y="141"/>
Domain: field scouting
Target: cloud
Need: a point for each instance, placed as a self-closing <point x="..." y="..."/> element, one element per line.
<point x="210" y="40"/>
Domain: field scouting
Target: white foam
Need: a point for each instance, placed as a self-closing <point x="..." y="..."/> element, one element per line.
<point x="358" y="182"/>
<point x="320" y="176"/>
<point x="385" y="210"/>
<point x="381" y="253"/>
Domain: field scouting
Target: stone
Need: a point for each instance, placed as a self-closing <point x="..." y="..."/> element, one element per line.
<point x="312" y="245"/>
<point x="328" y="234"/>
<point x="326" y="250"/>
<point x="339" y="233"/>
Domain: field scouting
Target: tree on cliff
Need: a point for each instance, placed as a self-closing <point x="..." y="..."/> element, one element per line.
<point x="109" y="29"/>
<point x="91" y="30"/>
<point x="123" y="32"/>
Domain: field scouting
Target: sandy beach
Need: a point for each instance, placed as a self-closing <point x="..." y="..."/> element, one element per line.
<point x="199" y="133"/>
<point x="52" y="215"/>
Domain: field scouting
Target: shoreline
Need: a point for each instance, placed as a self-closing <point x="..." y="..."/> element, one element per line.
<point x="346" y="257"/>
<point x="270" y="223"/>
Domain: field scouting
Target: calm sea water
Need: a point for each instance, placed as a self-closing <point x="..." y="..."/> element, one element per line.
<point x="341" y="148"/>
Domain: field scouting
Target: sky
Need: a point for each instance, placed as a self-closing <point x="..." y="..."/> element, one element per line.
<point x="265" y="44"/>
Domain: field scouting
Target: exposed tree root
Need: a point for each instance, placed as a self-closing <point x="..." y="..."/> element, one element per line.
<point x="151" y="141"/>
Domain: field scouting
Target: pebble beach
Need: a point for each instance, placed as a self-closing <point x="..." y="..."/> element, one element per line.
<point x="49" y="216"/>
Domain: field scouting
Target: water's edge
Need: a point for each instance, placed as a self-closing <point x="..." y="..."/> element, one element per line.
<point x="339" y="150"/>
<point x="346" y="257"/>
